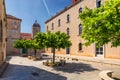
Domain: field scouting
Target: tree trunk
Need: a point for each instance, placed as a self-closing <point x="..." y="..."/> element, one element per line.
<point x="35" y="52"/>
<point x="53" y="51"/>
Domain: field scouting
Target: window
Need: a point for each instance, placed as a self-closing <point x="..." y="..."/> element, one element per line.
<point x="15" y="23"/>
<point x="99" y="51"/>
<point x="98" y="3"/>
<point x="80" y="29"/>
<point x="67" y="50"/>
<point x="47" y="28"/>
<point x="68" y="31"/>
<point x="59" y="22"/>
<point x="80" y="47"/>
<point x="52" y="26"/>
<point x="68" y="18"/>
<point x="15" y="32"/>
<point x="80" y="10"/>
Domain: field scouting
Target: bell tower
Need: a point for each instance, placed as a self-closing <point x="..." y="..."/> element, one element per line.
<point x="35" y="29"/>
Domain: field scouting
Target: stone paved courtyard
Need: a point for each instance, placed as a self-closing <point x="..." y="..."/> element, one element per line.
<point x="21" y="68"/>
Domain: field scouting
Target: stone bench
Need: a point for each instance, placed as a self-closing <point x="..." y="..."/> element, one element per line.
<point x="63" y="62"/>
<point x="74" y="59"/>
<point x="106" y="75"/>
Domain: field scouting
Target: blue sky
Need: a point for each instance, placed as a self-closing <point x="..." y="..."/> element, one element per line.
<point x="31" y="10"/>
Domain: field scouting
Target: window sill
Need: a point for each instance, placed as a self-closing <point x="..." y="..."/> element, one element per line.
<point x="79" y="35"/>
<point x="68" y="22"/>
<point x="59" y="25"/>
<point x="80" y="51"/>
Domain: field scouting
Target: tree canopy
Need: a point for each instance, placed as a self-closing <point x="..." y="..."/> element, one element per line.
<point x="57" y="40"/>
<point x="102" y="25"/>
<point x="53" y="40"/>
<point x="22" y="44"/>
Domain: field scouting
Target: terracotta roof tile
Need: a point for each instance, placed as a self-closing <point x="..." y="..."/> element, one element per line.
<point x="25" y="36"/>
<point x="13" y="17"/>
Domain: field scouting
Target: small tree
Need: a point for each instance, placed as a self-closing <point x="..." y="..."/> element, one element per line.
<point x="39" y="41"/>
<point x="23" y="44"/>
<point x="102" y="25"/>
<point x="57" y="40"/>
<point x="53" y="40"/>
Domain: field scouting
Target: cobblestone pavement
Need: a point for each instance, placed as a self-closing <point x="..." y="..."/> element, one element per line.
<point x="21" y="68"/>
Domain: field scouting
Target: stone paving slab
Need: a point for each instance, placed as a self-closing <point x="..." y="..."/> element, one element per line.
<point x="21" y="68"/>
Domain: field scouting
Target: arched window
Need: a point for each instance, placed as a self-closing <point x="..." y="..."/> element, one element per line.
<point x="80" y="10"/>
<point x="80" y="29"/>
<point x="59" y="22"/>
<point x="14" y="23"/>
<point x="68" y="31"/>
<point x="52" y="26"/>
<point x="80" y="47"/>
<point x="98" y="3"/>
<point x="68" y="18"/>
<point x="47" y="28"/>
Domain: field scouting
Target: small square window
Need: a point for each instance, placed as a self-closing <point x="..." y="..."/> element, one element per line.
<point x="80" y="10"/>
<point x="15" y="31"/>
<point x="15" y="23"/>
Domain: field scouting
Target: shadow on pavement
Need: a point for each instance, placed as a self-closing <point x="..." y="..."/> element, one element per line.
<point x="21" y="72"/>
<point x="8" y="58"/>
<point x="75" y="68"/>
<point x="116" y="78"/>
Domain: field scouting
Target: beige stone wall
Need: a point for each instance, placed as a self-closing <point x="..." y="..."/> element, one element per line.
<point x="35" y="30"/>
<point x="13" y="33"/>
<point x="112" y="52"/>
<point x="2" y="32"/>
<point x="74" y="37"/>
<point x="73" y="26"/>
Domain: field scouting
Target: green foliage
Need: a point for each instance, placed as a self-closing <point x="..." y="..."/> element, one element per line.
<point x="102" y="25"/>
<point x="62" y="40"/>
<point x="53" y="40"/>
<point x="40" y="39"/>
<point x="22" y="43"/>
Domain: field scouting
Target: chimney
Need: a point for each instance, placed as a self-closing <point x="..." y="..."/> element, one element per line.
<point x="74" y="1"/>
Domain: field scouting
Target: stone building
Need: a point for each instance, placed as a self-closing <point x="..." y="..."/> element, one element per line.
<point x="35" y="29"/>
<point x="68" y="21"/>
<point x="29" y="36"/>
<point x="13" y="33"/>
<point x="26" y="36"/>
<point x="3" y="26"/>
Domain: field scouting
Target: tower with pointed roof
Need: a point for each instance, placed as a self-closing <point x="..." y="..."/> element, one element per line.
<point x="35" y="28"/>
